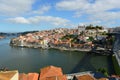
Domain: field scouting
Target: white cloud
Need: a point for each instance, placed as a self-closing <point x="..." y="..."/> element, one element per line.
<point x="21" y="7"/>
<point x="91" y="22"/>
<point x="71" y="4"/>
<point x="77" y="5"/>
<point x="41" y="10"/>
<point x="106" y="16"/>
<point x="20" y="20"/>
<point x="56" y="21"/>
<point x="48" y="19"/>
<point x="15" y="7"/>
<point x="97" y="11"/>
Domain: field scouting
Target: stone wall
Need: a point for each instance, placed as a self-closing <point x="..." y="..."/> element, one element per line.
<point x="116" y="48"/>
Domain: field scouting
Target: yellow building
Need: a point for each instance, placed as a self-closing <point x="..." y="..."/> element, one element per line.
<point x="9" y="75"/>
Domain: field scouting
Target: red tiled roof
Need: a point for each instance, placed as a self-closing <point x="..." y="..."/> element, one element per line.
<point x="22" y="76"/>
<point x="57" y="78"/>
<point x="50" y="71"/>
<point x="116" y="76"/>
<point x="85" y="77"/>
<point x="29" y="76"/>
<point x="103" y="79"/>
<point x="33" y="76"/>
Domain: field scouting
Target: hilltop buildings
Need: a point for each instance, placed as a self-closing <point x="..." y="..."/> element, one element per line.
<point x="59" y="38"/>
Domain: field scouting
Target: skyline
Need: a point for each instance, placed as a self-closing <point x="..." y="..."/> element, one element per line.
<point x="29" y="15"/>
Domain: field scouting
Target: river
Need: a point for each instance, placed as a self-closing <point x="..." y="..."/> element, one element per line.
<point x="31" y="60"/>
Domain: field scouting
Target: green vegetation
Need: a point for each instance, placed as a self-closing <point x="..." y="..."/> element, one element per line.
<point x="116" y="66"/>
<point x="68" y="37"/>
<point x="24" y="33"/>
<point x="104" y="33"/>
<point x="90" y="38"/>
<point x="104" y="71"/>
<point x="71" y="36"/>
<point x="93" y="27"/>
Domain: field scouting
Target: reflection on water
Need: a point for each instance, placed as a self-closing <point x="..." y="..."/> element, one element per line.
<point x="31" y="60"/>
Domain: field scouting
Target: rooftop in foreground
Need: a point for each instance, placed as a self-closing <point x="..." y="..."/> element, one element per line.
<point x="49" y="73"/>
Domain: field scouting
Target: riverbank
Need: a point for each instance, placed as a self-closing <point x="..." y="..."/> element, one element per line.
<point x="98" y="50"/>
<point x="51" y="47"/>
<point x="71" y="49"/>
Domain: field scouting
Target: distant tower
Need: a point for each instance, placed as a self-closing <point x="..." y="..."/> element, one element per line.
<point x="81" y="28"/>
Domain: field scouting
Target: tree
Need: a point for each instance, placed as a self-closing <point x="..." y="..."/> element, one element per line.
<point x="104" y="71"/>
<point x="99" y="27"/>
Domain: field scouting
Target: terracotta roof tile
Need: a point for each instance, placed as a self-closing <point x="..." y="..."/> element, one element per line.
<point x="103" y="79"/>
<point x="33" y="76"/>
<point x="22" y="76"/>
<point x="85" y="77"/>
<point x="57" y="78"/>
<point x="50" y="71"/>
<point x="29" y="76"/>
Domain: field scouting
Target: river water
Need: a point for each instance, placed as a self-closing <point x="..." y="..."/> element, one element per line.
<point x="31" y="60"/>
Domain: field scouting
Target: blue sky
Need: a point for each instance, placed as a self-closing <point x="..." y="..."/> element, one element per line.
<point x="28" y="15"/>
